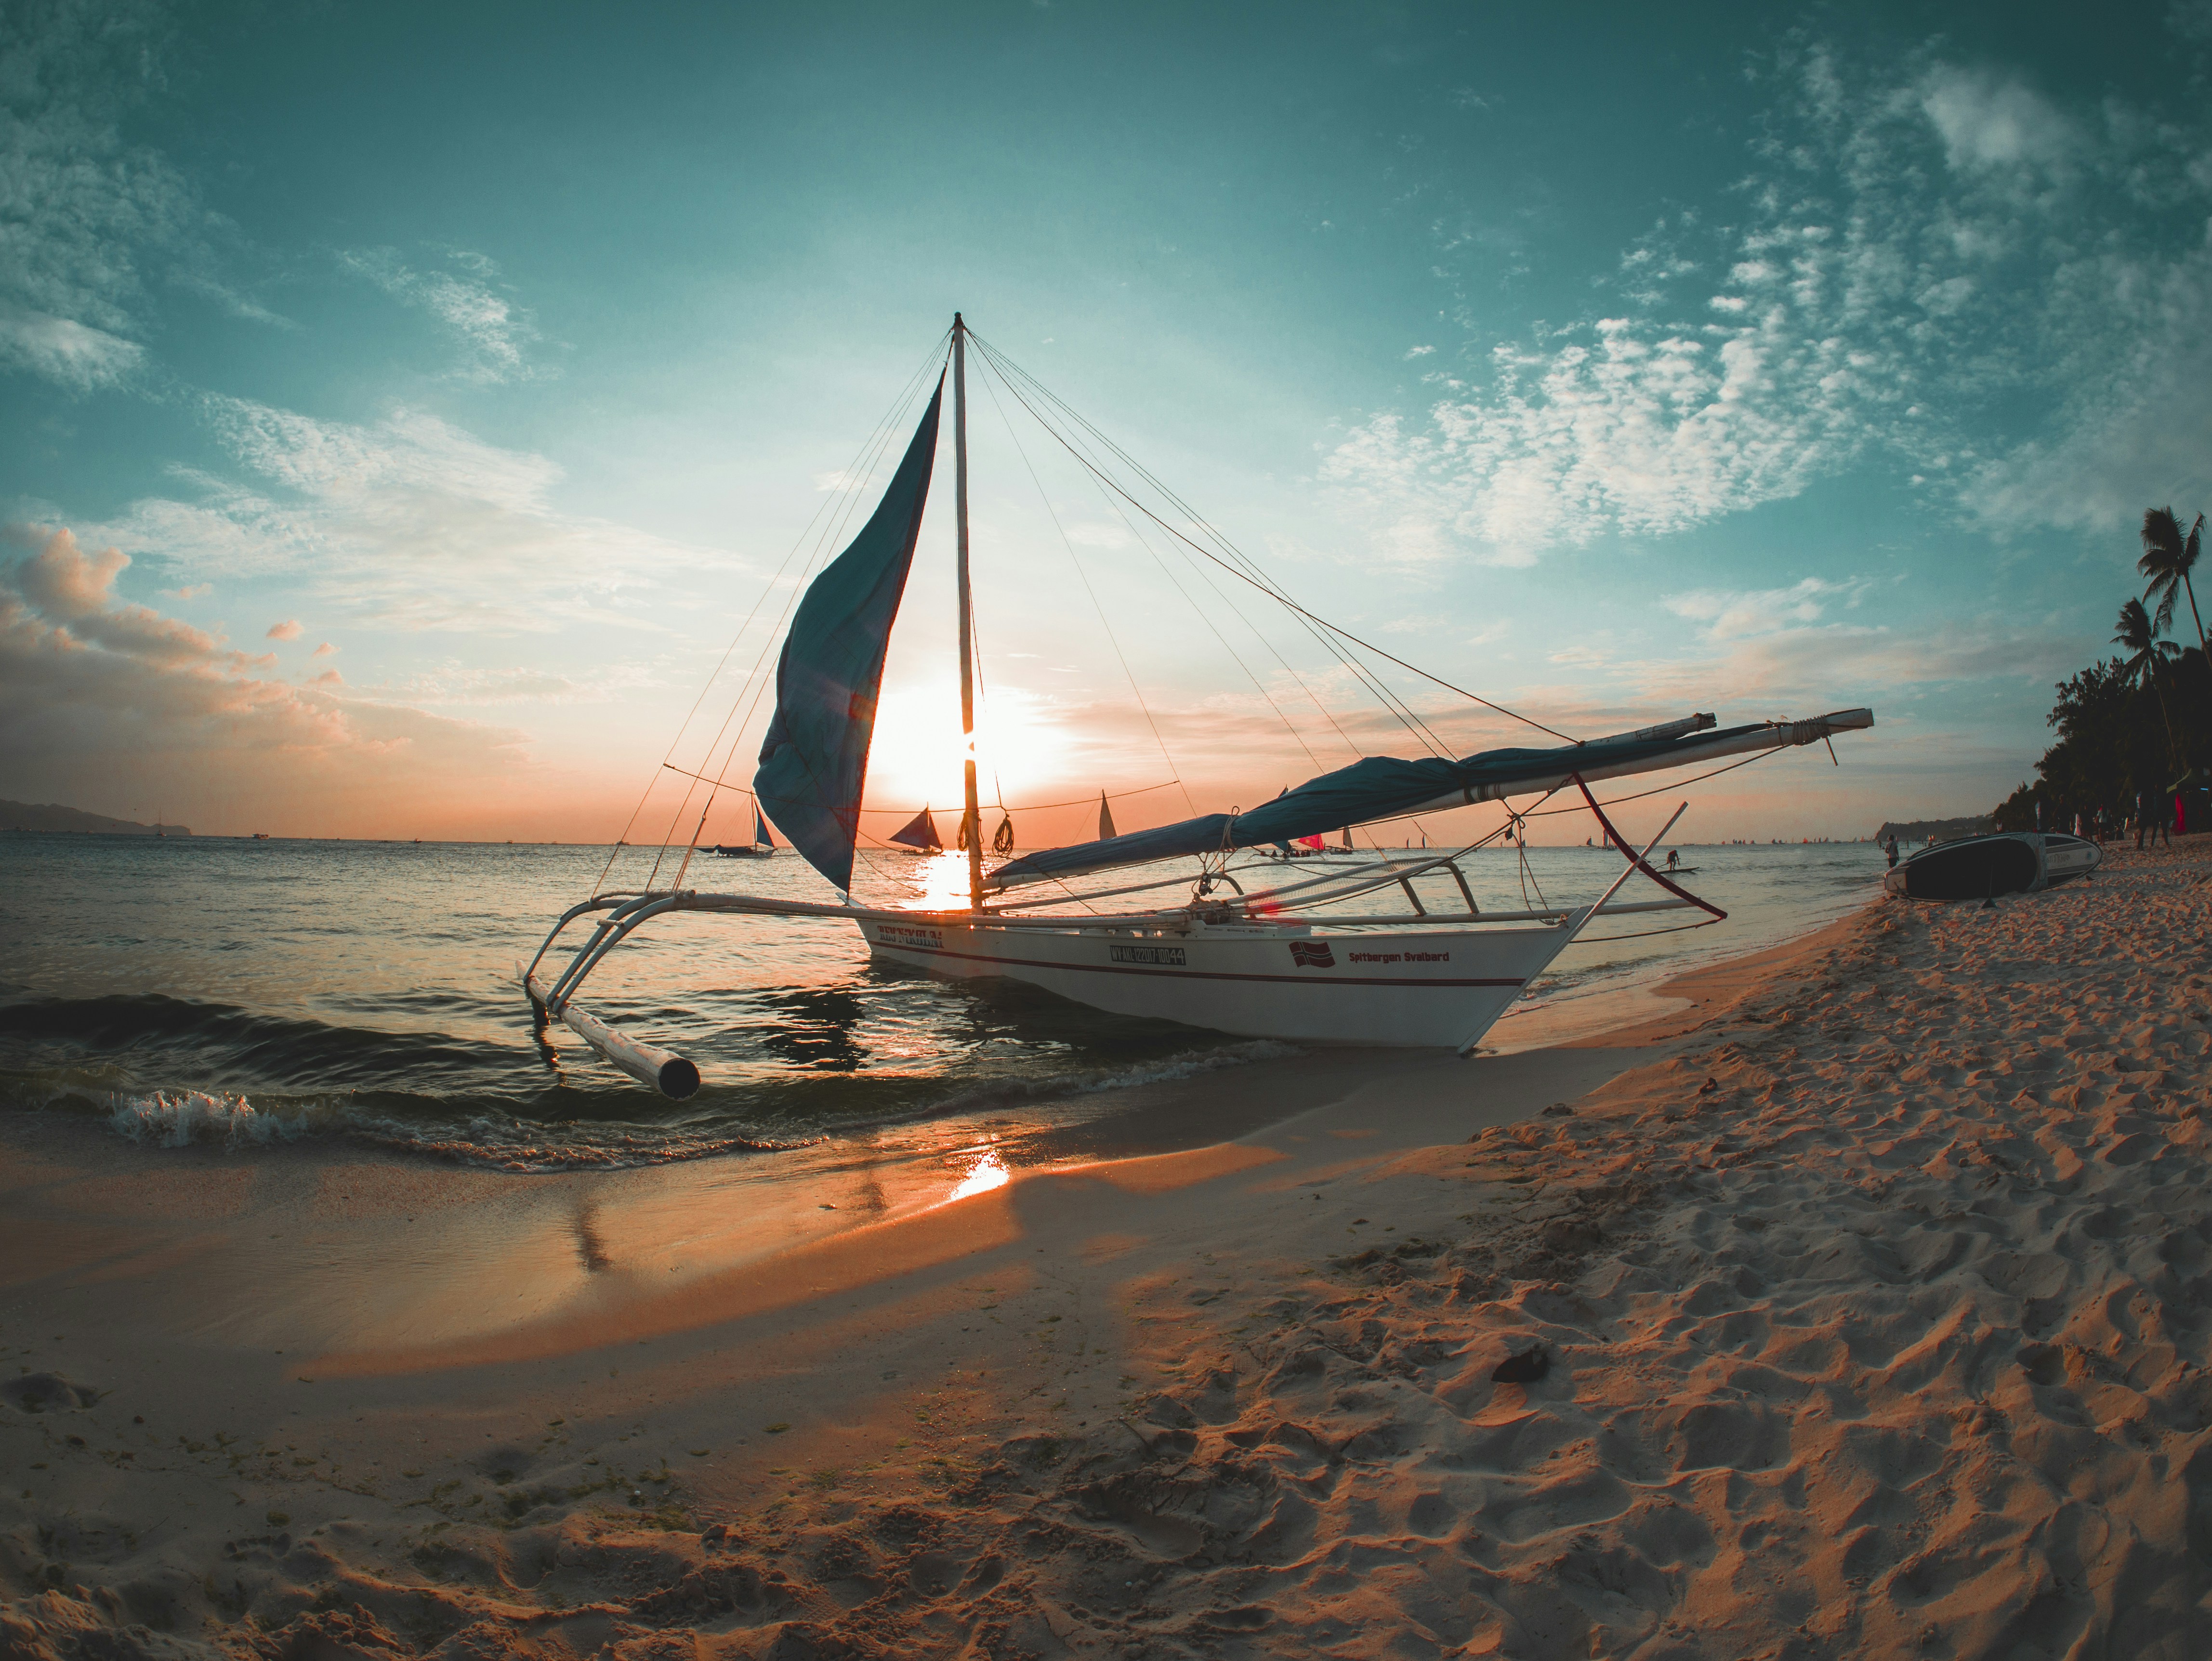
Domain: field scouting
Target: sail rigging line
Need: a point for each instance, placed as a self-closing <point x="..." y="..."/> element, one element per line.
<point x="1643" y="934"/>
<point x="1397" y="707"/>
<point x="1403" y="711"/>
<point x="852" y="490"/>
<point x="1406" y="718"/>
<point x="1039" y="807"/>
<point x="831" y="517"/>
<point x="846" y="490"/>
<point x="1200" y="612"/>
<point x="1112" y="639"/>
<point x="1264" y="584"/>
<point x="1541" y="812"/>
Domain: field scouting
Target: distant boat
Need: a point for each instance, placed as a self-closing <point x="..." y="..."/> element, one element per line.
<point x="760" y="847"/>
<point x="1982" y="867"/>
<point x="920" y="834"/>
<point x="261" y="836"/>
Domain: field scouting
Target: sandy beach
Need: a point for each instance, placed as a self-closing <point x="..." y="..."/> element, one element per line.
<point x="1854" y="1305"/>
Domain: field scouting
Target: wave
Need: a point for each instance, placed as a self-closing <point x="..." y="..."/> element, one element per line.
<point x="167" y="1073"/>
<point x="179" y="1118"/>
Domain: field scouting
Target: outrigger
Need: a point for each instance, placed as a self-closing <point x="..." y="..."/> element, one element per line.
<point x="1269" y="963"/>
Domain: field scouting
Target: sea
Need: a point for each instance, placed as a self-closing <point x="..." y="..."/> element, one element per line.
<point x="254" y="993"/>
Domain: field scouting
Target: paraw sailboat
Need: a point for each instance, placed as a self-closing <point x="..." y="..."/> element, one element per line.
<point x="1310" y="958"/>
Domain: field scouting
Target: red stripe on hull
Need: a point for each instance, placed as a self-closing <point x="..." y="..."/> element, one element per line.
<point x="1188" y="974"/>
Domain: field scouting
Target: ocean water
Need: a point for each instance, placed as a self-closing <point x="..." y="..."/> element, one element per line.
<point x="247" y="993"/>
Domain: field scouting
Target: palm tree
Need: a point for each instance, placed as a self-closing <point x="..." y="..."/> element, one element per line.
<point x="2138" y="635"/>
<point x="2168" y="557"/>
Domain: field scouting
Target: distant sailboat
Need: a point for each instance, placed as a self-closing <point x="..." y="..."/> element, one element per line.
<point x="1259" y="962"/>
<point x="919" y="833"/>
<point x="761" y="845"/>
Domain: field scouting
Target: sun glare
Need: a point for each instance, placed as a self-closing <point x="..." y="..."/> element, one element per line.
<point x="987" y="1174"/>
<point x="916" y="758"/>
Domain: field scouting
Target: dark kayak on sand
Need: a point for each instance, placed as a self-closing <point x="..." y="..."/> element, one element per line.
<point x="1982" y="868"/>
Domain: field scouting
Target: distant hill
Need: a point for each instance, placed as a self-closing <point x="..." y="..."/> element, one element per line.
<point x="22" y="816"/>
<point x="1936" y="830"/>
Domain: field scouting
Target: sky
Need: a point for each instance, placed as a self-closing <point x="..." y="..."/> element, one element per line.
<point x="407" y="407"/>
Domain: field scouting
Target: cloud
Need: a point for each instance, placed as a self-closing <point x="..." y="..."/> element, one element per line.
<point x="92" y="689"/>
<point x="288" y="630"/>
<point x="80" y="357"/>
<point x="1091" y="533"/>
<point x="82" y="212"/>
<point x="1934" y="268"/>
<point x="328" y="678"/>
<point x="453" y="684"/>
<point x="1729" y="615"/>
<point x="368" y="519"/>
<point x="1414" y="352"/>
<point x="189" y="591"/>
<point x="325" y="650"/>
<point x="1988" y="120"/>
<point x="494" y="331"/>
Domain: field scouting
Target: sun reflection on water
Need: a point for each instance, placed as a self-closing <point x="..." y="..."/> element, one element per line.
<point x="941" y="880"/>
<point x="987" y="1174"/>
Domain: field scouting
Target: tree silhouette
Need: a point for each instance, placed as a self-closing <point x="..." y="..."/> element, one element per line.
<point x="2168" y="557"/>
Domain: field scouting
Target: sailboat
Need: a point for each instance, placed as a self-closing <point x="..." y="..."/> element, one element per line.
<point x="1307" y="957"/>
<point x="920" y="834"/>
<point x="760" y="847"/>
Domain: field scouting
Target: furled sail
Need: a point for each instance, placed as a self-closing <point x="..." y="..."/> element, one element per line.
<point x="1383" y="786"/>
<point x="1105" y="819"/>
<point x="815" y="758"/>
<point x="920" y="831"/>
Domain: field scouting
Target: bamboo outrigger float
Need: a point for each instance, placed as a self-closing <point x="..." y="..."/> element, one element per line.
<point x="1270" y="963"/>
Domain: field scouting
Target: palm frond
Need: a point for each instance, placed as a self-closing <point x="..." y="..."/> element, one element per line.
<point x="2164" y="545"/>
<point x="2135" y="630"/>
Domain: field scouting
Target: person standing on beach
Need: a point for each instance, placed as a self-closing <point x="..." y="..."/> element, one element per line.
<point x="1889" y="847"/>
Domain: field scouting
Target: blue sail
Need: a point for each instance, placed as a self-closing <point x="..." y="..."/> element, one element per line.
<point x="1375" y="787"/>
<point x="814" y="761"/>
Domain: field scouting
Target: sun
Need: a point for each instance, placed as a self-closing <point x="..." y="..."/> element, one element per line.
<point x="914" y="760"/>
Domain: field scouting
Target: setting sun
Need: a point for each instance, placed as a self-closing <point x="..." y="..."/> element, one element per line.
<point x="916" y="758"/>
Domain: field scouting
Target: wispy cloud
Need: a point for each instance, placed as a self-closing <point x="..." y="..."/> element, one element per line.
<point x="1915" y="260"/>
<point x="368" y="518"/>
<point x="288" y="630"/>
<point x="495" y="332"/>
<point x="1727" y="614"/>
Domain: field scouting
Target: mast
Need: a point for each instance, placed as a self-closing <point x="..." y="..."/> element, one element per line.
<point x="973" y="824"/>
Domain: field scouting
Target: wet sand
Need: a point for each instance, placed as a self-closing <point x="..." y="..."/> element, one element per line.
<point x="1864" y="1290"/>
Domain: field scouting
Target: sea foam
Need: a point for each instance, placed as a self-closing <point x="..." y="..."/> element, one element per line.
<point x="178" y="1118"/>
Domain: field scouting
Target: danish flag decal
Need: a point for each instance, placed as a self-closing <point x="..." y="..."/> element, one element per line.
<point x="1313" y="954"/>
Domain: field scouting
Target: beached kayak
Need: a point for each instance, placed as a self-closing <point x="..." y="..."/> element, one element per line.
<point x="1982" y="868"/>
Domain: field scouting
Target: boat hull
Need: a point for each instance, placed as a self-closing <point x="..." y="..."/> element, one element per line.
<point x="1416" y="989"/>
<point x="1982" y="868"/>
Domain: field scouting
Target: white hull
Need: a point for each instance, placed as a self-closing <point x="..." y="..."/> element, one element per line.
<point x="1417" y="988"/>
